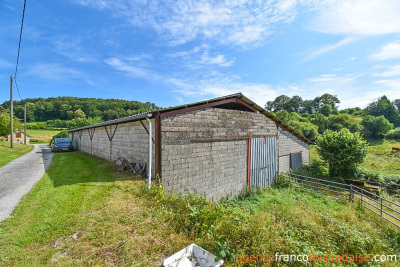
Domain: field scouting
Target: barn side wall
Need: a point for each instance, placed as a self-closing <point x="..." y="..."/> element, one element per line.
<point x="288" y="143"/>
<point x="216" y="169"/>
<point x="130" y="141"/>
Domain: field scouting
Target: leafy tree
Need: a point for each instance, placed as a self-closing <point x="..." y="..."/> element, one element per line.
<point x="307" y="106"/>
<point x="79" y="113"/>
<point x="384" y="107"/>
<point x="376" y="127"/>
<point x="5" y="123"/>
<point x="294" y="104"/>
<point x="325" y="99"/>
<point x="343" y="151"/>
<point x="337" y="122"/>
<point x="307" y="129"/>
<point x="326" y="110"/>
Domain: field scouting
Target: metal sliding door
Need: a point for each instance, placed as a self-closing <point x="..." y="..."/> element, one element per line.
<point x="263" y="161"/>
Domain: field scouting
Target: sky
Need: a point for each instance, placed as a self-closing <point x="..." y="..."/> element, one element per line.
<point x="177" y="52"/>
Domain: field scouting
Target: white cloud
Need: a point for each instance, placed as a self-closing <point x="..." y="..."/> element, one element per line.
<point x="389" y="51"/>
<point x="130" y="70"/>
<point x="217" y="60"/>
<point x="240" y="23"/>
<point x="390" y="72"/>
<point x="328" y="48"/>
<point x="336" y="77"/>
<point x="357" y="17"/>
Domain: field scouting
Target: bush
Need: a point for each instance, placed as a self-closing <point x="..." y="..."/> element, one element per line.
<point x="376" y="127"/>
<point x="393" y="134"/>
<point x="370" y="175"/>
<point x="343" y="151"/>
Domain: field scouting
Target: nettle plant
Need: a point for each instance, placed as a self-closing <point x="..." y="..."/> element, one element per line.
<point x="343" y="151"/>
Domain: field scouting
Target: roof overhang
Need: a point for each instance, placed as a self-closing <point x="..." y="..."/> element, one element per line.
<point x="238" y="98"/>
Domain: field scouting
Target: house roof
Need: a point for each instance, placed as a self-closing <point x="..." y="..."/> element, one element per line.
<point x="235" y="100"/>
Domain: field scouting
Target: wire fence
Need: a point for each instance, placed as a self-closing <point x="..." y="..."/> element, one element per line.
<point x="384" y="208"/>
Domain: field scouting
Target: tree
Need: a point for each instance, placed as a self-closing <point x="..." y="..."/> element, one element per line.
<point x="376" y="127"/>
<point x="5" y="123"/>
<point x="79" y="113"/>
<point x="307" y="129"/>
<point x="337" y="122"/>
<point x="384" y="107"/>
<point x="325" y="99"/>
<point x="343" y="151"/>
<point x="294" y="104"/>
<point x="326" y="110"/>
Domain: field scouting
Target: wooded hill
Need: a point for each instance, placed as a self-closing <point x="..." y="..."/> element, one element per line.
<point x="67" y="108"/>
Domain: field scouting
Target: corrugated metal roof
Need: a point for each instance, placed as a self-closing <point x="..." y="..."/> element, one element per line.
<point x="151" y="114"/>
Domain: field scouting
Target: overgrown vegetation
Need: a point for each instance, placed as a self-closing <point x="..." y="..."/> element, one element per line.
<point x="97" y="216"/>
<point x="8" y="154"/>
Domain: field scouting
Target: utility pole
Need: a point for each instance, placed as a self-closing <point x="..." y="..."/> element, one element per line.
<point x="25" y="124"/>
<point x="11" y="113"/>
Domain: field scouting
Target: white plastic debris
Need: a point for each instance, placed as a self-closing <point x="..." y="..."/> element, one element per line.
<point x="192" y="256"/>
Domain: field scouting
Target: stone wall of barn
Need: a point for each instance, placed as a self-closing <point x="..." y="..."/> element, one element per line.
<point x="216" y="169"/>
<point x="130" y="141"/>
<point x="288" y="144"/>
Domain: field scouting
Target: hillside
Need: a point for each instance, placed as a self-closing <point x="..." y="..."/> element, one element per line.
<point x="67" y="108"/>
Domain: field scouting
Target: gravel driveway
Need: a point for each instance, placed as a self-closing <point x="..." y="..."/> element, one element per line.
<point x="18" y="176"/>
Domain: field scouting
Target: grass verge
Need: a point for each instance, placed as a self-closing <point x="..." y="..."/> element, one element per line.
<point x="8" y="154"/>
<point x="83" y="212"/>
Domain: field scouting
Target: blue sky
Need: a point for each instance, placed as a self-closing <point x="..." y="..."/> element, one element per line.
<point x="175" y="52"/>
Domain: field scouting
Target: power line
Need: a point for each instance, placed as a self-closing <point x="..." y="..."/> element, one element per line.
<point x="19" y="48"/>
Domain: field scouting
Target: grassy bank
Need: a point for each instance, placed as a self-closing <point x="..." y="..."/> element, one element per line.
<point x="94" y="215"/>
<point x="382" y="158"/>
<point x="8" y="154"/>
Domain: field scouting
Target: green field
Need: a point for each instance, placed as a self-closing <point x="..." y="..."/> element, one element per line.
<point x="41" y="136"/>
<point x="382" y="158"/>
<point x="41" y="132"/>
<point x="85" y="213"/>
<point x="8" y="154"/>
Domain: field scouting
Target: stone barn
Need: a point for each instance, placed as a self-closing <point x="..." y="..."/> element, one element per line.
<point x="215" y="147"/>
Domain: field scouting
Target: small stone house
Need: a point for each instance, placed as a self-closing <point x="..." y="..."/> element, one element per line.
<point x="215" y="147"/>
<point x="19" y="137"/>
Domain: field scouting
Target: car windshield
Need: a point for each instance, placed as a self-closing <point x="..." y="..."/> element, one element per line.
<point x="65" y="143"/>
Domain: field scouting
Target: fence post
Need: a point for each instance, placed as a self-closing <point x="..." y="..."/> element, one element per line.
<point x="361" y="193"/>
<point x="351" y="193"/>
<point x="381" y="207"/>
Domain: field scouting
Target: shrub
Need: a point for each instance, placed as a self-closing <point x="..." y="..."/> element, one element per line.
<point x="343" y="151"/>
<point x="376" y="127"/>
<point x="393" y="134"/>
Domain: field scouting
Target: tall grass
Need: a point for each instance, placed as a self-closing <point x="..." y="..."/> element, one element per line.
<point x="275" y="220"/>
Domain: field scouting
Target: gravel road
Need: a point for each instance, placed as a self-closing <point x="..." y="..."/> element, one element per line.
<point x="18" y="176"/>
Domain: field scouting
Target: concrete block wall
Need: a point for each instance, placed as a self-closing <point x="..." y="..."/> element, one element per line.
<point x="130" y="141"/>
<point x="216" y="169"/>
<point x="288" y="143"/>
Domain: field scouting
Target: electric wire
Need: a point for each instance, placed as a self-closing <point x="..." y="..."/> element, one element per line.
<point x="19" y="48"/>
